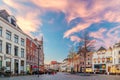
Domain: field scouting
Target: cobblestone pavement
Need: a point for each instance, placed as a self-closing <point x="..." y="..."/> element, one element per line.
<point x="64" y="76"/>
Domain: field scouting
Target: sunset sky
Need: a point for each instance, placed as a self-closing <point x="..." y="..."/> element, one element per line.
<point x="60" y="22"/>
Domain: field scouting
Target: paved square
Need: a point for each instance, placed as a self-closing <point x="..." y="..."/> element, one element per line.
<point x="64" y="76"/>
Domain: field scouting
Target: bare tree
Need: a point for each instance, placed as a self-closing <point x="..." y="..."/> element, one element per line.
<point x="85" y="45"/>
<point x="71" y="55"/>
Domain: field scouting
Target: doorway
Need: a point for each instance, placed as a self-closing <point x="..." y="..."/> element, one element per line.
<point x="16" y="66"/>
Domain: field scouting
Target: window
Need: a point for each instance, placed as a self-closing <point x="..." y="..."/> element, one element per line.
<point x="0" y="62"/>
<point x="22" y="63"/>
<point x="8" y="35"/>
<point x="8" y="63"/>
<point x="31" y="44"/>
<point x="8" y="48"/>
<point x="0" y="45"/>
<point x="13" y="22"/>
<point x="16" y="51"/>
<point x="22" y="42"/>
<point x="0" y="31"/>
<point x="16" y="38"/>
<point x="119" y="60"/>
<point x="22" y="52"/>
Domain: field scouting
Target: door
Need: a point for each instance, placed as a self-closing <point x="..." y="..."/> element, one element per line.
<point x="16" y="66"/>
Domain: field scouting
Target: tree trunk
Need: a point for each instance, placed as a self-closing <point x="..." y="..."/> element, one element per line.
<point x="85" y="64"/>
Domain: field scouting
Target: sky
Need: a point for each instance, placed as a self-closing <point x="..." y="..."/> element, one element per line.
<point x="61" y="22"/>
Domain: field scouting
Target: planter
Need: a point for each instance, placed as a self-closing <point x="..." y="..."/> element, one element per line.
<point x="8" y="73"/>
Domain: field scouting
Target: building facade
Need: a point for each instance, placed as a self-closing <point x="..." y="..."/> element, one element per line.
<point x="55" y="65"/>
<point x="103" y="60"/>
<point x="99" y="63"/>
<point x="12" y="44"/>
<point x="115" y="68"/>
<point x="31" y="55"/>
<point x="88" y="62"/>
<point x="40" y="52"/>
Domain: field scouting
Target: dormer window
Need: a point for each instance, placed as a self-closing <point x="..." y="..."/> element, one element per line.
<point x="13" y="22"/>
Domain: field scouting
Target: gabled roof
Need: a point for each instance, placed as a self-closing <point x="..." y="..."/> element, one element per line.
<point x="4" y="14"/>
<point x="101" y="48"/>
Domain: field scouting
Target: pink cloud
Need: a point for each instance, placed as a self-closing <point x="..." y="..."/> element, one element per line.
<point x="27" y="17"/>
<point x="51" y="4"/>
<point x="106" y="39"/>
<point x="29" y="23"/>
<point x="76" y="29"/>
<point x="95" y="12"/>
<point x="75" y="38"/>
<point x="98" y="34"/>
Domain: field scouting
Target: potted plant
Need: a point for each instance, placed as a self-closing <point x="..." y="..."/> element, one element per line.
<point x="2" y="71"/>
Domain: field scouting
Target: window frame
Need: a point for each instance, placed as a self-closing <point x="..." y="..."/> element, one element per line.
<point x="16" y="38"/>
<point x="8" y="48"/>
<point x="1" y="31"/>
<point x="22" y="42"/>
<point x="16" y="50"/>
<point x="22" y="53"/>
<point x="0" y="45"/>
<point x="8" y="35"/>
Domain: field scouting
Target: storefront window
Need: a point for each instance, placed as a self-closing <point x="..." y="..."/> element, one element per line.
<point x="8" y="64"/>
<point x="103" y="66"/>
<point x="109" y="60"/>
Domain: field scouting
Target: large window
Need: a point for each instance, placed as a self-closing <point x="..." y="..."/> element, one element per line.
<point x="8" y="48"/>
<point x="0" y="31"/>
<point x="22" y="42"/>
<point x="8" y="35"/>
<point x="16" y="38"/>
<point x="16" y="51"/>
<point x="22" y="52"/>
<point x="8" y="64"/>
<point x="0" y="45"/>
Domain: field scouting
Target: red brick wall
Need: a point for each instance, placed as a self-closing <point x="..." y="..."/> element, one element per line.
<point x="31" y="51"/>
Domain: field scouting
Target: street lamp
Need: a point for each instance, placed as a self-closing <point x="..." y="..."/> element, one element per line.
<point x="39" y="48"/>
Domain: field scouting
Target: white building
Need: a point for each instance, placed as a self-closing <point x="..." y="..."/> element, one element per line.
<point x="116" y="59"/>
<point x="63" y="65"/>
<point x="12" y="44"/>
<point x="107" y="61"/>
<point x="102" y="60"/>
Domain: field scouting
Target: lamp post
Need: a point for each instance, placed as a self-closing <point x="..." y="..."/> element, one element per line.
<point x="39" y="47"/>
